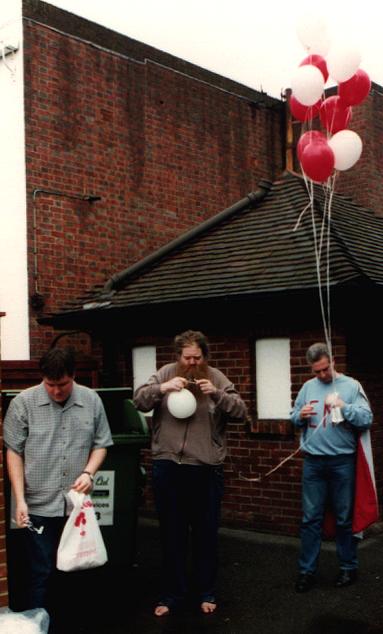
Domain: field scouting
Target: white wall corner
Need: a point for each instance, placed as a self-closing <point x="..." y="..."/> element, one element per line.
<point x="13" y="198"/>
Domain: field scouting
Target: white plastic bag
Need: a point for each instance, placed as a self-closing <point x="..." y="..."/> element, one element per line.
<point x="34" y="621"/>
<point x="81" y="545"/>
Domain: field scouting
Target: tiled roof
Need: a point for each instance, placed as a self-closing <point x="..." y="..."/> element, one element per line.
<point x="249" y="249"/>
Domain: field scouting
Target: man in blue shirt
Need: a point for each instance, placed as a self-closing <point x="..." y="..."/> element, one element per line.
<point x="330" y="409"/>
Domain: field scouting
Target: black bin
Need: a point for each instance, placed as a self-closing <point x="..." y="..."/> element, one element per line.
<point x="118" y="486"/>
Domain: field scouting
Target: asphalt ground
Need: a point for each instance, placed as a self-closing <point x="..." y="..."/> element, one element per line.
<point x="255" y="591"/>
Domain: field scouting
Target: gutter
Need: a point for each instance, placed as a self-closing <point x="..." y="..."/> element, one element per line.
<point x="251" y="200"/>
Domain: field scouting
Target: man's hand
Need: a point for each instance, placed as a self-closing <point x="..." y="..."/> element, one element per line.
<point x="83" y="484"/>
<point x="206" y="386"/>
<point x="174" y="385"/>
<point x="307" y="411"/>
<point x="334" y="400"/>
<point x="21" y="514"/>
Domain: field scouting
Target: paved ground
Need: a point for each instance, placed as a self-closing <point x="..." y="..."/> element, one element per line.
<point x="255" y="591"/>
<point x="255" y="588"/>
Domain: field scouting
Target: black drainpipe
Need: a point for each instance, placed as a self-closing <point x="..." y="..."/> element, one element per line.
<point x="37" y="300"/>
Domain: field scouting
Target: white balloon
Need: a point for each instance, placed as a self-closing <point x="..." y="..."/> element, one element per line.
<point x="343" y="61"/>
<point x="313" y="34"/>
<point x="347" y="147"/>
<point x="182" y="404"/>
<point x="307" y="84"/>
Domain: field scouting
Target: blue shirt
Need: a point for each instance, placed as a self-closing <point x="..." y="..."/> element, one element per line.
<point x="322" y="437"/>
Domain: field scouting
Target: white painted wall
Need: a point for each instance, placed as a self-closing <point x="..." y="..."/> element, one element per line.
<point x="13" y="241"/>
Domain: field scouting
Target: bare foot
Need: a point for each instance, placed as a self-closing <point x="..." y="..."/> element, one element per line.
<point x="161" y="610"/>
<point x="208" y="608"/>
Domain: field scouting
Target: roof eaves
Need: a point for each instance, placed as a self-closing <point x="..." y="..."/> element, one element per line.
<point x="121" y="278"/>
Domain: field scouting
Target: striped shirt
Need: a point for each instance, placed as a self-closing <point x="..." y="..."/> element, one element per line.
<point x="55" y="442"/>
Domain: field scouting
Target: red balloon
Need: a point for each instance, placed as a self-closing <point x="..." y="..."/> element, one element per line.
<point x="318" y="161"/>
<point x="353" y="91"/>
<point x="312" y="136"/>
<point x="304" y="113"/>
<point x="319" y="62"/>
<point x="334" y="115"/>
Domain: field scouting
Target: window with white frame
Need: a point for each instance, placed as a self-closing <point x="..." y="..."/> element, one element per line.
<point x="273" y="378"/>
<point x="144" y="364"/>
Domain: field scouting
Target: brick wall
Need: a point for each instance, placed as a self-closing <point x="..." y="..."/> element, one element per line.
<point x="164" y="149"/>
<point x="364" y="182"/>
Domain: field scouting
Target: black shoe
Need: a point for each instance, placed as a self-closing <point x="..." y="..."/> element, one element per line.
<point x="346" y="578"/>
<point x="305" y="582"/>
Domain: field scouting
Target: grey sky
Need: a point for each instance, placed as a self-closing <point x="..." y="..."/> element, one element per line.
<point x="254" y="43"/>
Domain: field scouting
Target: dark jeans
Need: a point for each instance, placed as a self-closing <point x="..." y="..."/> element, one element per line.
<point x="328" y="478"/>
<point x="188" y="499"/>
<point x="41" y="551"/>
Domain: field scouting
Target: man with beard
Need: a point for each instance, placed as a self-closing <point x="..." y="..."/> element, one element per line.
<point x="188" y="467"/>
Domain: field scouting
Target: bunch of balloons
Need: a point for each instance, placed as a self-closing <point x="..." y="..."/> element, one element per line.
<point x="336" y="147"/>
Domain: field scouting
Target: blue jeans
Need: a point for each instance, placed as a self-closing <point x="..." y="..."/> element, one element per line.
<point x="328" y="479"/>
<point x="188" y="498"/>
<point x="41" y="552"/>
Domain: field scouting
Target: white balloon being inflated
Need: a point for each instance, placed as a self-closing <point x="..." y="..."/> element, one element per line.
<point x="182" y="404"/>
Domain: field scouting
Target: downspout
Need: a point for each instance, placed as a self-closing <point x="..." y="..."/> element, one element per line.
<point x="37" y="299"/>
<point x="289" y="153"/>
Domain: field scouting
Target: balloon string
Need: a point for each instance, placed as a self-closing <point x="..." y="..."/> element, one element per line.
<point x="318" y="247"/>
<point x="317" y="251"/>
<point x="302" y="447"/>
<point x="326" y="315"/>
<point x="260" y="478"/>
<point x="329" y="190"/>
<point x="300" y="217"/>
<point x="332" y="189"/>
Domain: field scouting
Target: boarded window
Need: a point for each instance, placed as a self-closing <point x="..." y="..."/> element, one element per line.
<point x="273" y="378"/>
<point x="144" y="364"/>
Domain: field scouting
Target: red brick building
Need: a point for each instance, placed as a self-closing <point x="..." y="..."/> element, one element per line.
<point x="126" y="148"/>
<point x="160" y="143"/>
<point x="248" y="281"/>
